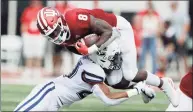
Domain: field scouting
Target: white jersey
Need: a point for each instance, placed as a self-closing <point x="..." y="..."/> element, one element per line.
<point x="77" y="84"/>
<point x="64" y="90"/>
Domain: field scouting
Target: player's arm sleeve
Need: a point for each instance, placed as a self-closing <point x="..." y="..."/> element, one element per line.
<point x="100" y="94"/>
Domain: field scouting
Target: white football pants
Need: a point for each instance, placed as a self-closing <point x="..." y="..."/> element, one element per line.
<point x="127" y="45"/>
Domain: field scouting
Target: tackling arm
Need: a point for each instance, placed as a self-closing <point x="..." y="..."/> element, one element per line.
<point x="102" y="92"/>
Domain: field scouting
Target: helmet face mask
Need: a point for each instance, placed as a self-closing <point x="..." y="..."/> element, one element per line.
<point x="117" y="61"/>
<point x="59" y="34"/>
<point x="109" y="58"/>
<point x="112" y="62"/>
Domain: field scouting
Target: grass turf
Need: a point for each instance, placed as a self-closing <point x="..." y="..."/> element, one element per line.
<point x="11" y="95"/>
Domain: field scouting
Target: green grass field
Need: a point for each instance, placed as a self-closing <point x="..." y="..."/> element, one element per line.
<point x="11" y="95"/>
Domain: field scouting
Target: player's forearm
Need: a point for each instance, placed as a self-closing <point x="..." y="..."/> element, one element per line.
<point x="125" y="94"/>
<point x="106" y="32"/>
<point x="103" y="38"/>
<point x="101" y="43"/>
<point x="108" y="101"/>
<point x="114" y="34"/>
<point x="112" y="95"/>
<point x="132" y="91"/>
<point x="117" y="95"/>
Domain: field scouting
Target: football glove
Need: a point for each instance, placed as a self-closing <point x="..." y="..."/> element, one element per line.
<point x="84" y="50"/>
<point x="147" y="94"/>
<point x="139" y="86"/>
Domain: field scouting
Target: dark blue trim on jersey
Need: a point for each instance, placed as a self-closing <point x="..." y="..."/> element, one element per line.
<point x="87" y="80"/>
<point x="75" y="70"/>
<point x="37" y="95"/>
<point x="33" y="105"/>
<point x="60" y="100"/>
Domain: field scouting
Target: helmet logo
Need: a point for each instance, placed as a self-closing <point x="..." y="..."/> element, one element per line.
<point x="50" y="12"/>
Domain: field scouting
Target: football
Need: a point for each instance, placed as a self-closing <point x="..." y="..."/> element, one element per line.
<point x="90" y="39"/>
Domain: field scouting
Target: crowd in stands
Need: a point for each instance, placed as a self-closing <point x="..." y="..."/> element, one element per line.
<point x="166" y="41"/>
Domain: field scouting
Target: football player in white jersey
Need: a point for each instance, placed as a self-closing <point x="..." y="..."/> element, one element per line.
<point x="87" y="77"/>
<point x="129" y="70"/>
<point x="124" y="76"/>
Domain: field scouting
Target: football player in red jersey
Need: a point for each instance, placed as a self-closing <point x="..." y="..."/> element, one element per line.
<point x="185" y="94"/>
<point x="77" y="23"/>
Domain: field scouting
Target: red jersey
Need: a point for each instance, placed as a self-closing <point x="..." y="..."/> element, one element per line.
<point x="29" y="18"/>
<point x="137" y="35"/>
<point x="186" y="84"/>
<point x="78" y="21"/>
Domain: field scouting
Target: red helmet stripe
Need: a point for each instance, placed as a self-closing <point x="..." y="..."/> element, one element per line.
<point x="42" y="17"/>
<point x="39" y="22"/>
<point x="44" y="27"/>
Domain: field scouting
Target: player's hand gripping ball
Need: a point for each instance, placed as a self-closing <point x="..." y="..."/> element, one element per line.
<point x="83" y="44"/>
<point x="89" y="40"/>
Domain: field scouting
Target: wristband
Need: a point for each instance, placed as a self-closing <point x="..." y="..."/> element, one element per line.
<point x="92" y="49"/>
<point x="132" y="92"/>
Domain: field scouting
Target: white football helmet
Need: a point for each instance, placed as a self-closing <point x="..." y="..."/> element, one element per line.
<point x="108" y="58"/>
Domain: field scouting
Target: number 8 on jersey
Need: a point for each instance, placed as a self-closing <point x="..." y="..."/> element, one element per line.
<point x="82" y="17"/>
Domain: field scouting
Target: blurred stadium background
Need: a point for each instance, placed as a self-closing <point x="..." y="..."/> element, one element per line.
<point x="28" y="59"/>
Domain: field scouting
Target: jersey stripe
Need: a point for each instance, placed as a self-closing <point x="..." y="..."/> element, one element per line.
<point x="75" y="70"/>
<point x="39" y="22"/>
<point x="91" y="78"/>
<point x="50" y="86"/>
<point x="42" y="17"/>
<point x="60" y="100"/>
<point x="33" y="105"/>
